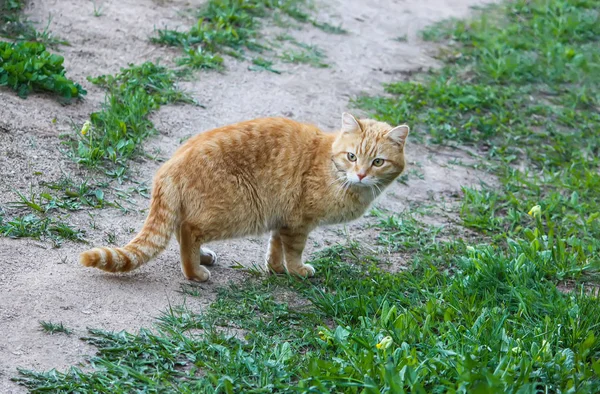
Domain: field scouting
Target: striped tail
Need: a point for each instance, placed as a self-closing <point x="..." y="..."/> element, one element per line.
<point x="149" y="242"/>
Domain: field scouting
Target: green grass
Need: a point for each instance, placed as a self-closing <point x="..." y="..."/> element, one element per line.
<point x="495" y="322"/>
<point x="537" y="121"/>
<point x="11" y="23"/>
<point x="513" y="308"/>
<point x="27" y="66"/>
<point x="64" y="195"/>
<point x="16" y="26"/>
<point x="229" y="27"/>
<point x="115" y="133"/>
<point x="305" y="54"/>
<point x="200" y="59"/>
<point x="261" y="64"/>
<point x="53" y="328"/>
<point x="75" y="195"/>
<point x="40" y="227"/>
<point x="44" y="214"/>
<point x="329" y="28"/>
<point x="98" y="9"/>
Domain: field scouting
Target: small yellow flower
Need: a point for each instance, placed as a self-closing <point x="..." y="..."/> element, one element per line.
<point x="535" y="211"/>
<point x="86" y="127"/>
<point x="385" y="343"/>
<point x="325" y="337"/>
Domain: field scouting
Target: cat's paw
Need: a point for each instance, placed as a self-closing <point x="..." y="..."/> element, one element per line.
<point x="305" y="271"/>
<point x="274" y="264"/>
<point x="274" y="268"/>
<point x="207" y="256"/>
<point x="201" y="274"/>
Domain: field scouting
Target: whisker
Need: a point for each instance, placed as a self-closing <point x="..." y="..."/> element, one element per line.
<point x="338" y="179"/>
<point x="341" y="188"/>
<point x="378" y="188"/>
<point x="345" y="187"/>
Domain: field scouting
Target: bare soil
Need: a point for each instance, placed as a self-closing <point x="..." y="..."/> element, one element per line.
<point x="39" y="282"/>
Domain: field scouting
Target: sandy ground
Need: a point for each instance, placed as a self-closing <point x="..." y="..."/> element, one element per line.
<point x="38" y="282"/>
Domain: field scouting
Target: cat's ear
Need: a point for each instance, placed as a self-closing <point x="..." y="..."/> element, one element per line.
<point x="398" y="134"/>
<point x="349" y="123"/>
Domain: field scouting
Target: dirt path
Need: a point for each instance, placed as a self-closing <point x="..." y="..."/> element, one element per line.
<point x="38" y="282"/>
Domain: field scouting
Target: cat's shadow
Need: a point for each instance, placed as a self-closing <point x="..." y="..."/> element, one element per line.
<point x="153" y="279"/>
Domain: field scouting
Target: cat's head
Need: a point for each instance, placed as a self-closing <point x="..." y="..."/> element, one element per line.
<point x="369" y="153"/>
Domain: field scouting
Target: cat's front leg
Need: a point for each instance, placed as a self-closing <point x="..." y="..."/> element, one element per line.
<point x="274" y="258"/>
<point x="293" y="242"/>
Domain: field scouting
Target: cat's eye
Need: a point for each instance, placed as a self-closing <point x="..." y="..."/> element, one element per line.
<point x="351" y="156"/>
<point x="378" y="162"/>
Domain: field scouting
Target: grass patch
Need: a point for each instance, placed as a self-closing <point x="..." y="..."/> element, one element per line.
<point x="11" y="23"/>
<point x="114" y="134"/>
<point x="27" y="66"/>
<point x="15" y="26"/>
<point x="306" y="54"/>
<point x="329" y="28"/>
<point x="495" y="322"/>
<point x="39" y="227"/>
<point x="261" y="64"/>
<point x="228" y="27"/>
<point x="200" y="59"/>
<point x="71" y="197"/>
<point x="521" y="84"/>
<point x="53" y="328"/>
<point x="98" y="9"/>
<point x="74" y="196"/>
<point x="42" y="215"/>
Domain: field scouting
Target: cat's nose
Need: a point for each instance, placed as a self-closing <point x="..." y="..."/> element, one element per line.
<point x="361" y="176"/>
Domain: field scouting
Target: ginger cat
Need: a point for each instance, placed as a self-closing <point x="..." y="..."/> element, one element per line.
<point x="262" y="175"/>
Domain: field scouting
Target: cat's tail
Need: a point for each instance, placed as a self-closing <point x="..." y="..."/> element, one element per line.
<point x="149" y="242"/>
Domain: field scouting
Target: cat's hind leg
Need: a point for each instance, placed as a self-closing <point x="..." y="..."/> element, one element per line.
<point x="193" y="257"/>
<point x="274" y="258"/>
<point x="293" y="242"/>
<point x="207" y="256"/>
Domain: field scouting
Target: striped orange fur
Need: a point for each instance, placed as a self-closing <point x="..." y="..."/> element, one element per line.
<point x="265" y="175"/>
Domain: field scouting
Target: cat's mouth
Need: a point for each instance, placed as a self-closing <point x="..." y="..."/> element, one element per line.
<point x="364" y="183"/>
<point x="361" y="184"/>
<point x="361" y="181"/>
